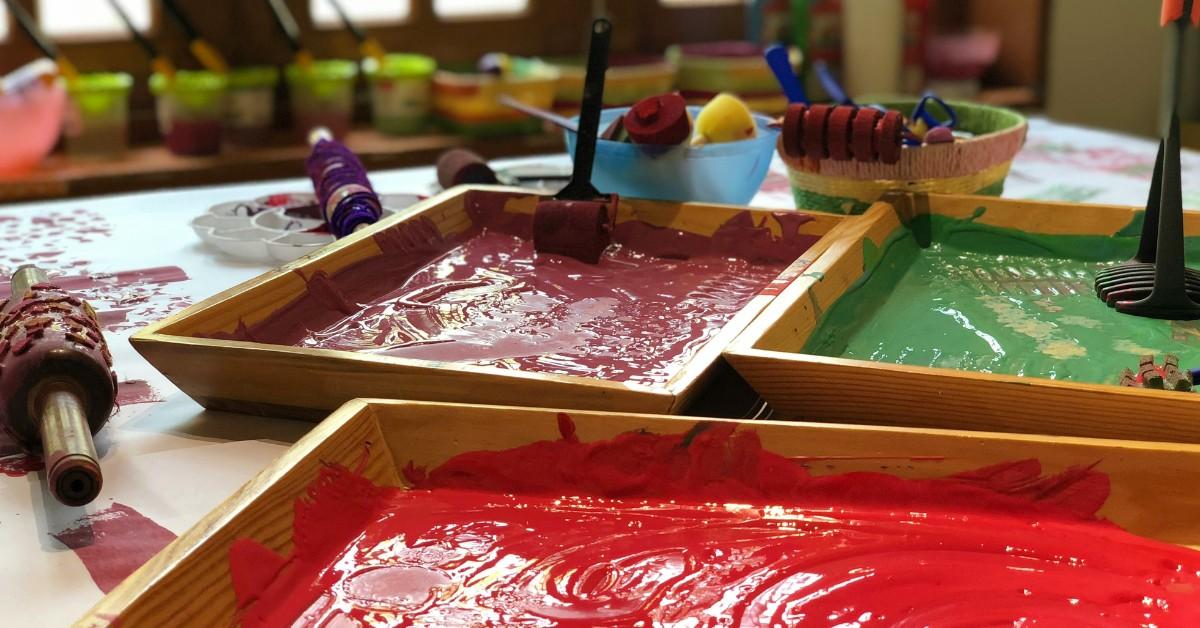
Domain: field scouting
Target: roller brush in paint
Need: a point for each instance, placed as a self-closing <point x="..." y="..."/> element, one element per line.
<point x="577" y="222"/>
<point x="159" y="63"/>
<point x="57" y="387"/>
<point x="347" y="200"/>
<point x="368" y="47"/>
<point x="204" y="52"/>
<point x="291" y="32"/>
<point x="29" y="27"/>
<point x="842" y="132"/>
<point x="660" y="120"/>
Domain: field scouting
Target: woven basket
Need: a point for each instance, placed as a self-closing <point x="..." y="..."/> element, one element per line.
<point x="973" y="166"/>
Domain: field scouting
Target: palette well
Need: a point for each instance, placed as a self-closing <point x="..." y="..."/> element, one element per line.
<point x="972" y="313"/>
<point x="1141" y="487"/>
<point x="447" y="301"/>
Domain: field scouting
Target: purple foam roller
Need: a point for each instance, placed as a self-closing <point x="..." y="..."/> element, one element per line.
<point x="345" y="194"/>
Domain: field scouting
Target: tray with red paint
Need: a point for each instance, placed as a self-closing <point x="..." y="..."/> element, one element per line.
<point x="448" y="301"/>
<point x="417" y="513"/>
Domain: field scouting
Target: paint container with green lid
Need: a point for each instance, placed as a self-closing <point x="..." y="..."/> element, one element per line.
<point x="250" y="104"/>
<point x="400" y="92"/>
<point x="96" y="123"/>
<point x="191" y="109"/>
<point x="322" y="95"/>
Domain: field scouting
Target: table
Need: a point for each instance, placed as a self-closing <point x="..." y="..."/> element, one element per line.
<point x="167" y="461"/>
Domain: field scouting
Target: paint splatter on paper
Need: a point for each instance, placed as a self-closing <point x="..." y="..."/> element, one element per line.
<point x="135" y="391"/>
<point x="114" y="542"/>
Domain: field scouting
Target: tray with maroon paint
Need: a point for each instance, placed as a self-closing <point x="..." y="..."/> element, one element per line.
<point x="417" y="513"/>
<point x="447" y="301"/>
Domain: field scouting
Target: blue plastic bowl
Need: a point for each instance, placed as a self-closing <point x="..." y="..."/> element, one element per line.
<point x="728" y="173"/>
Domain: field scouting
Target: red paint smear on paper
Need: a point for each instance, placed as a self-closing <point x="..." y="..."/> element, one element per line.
<point x="136" y="391"/>
<point x="582" y="534"/>
<point x="120" y="279"/>
<point x="112" y="318"/>
<point x="14" y="461"/>
<point x="114" y="542"/>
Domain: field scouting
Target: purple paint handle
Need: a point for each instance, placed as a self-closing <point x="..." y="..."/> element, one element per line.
<point x="344" y="193"/>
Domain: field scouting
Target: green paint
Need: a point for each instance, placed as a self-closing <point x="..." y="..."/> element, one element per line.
<point x="996" y="300"/>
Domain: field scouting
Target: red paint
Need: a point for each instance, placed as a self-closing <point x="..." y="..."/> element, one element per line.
<point x="124" y="299"/>
<point x="749" y="538"/>
<point x="14" y="462"/>
<point x="194" y="137"/>
<point x="486" y="298"/>
<point x="113" y="542"/>
<point x="121" y="279"/>
<point x="136" y="391"/>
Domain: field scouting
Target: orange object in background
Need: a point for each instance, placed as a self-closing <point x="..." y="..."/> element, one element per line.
<point x="30" y="121"/>
<point x="1173" y="10"/>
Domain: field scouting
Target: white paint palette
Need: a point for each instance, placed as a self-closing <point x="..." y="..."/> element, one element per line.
<point x="275" y="228"/>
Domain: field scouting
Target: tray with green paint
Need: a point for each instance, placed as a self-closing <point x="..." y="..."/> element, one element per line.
<point x="972" y="312"/>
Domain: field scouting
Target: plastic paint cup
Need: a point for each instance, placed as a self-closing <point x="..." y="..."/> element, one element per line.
<point x="250" y="104"/>
<point x="728" y="172"/>
<point x="96" y="123"/>
<point x="191" y="110"/>
<point x="322" y="95"/>
<point x="400" y="92"/>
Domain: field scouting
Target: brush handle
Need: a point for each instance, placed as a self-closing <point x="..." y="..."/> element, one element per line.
<point x="286" y="23"/>
<point x="580" y="187"/>
<point x="25" y="21"/>
<point x="350" y="26"/>
<point x="181" y="19"/>
<point x="541" y="114"/>
<point x="151" y="51"/>
<point x="781" y="65"/>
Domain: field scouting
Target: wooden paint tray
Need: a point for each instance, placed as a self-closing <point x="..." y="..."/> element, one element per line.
<point x="875" y="330"/>
<point x="189" y="581"/>
<point x="195" y="350"/>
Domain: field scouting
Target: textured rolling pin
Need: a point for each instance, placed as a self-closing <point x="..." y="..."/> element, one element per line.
<point x="348" y="202"/>
<point x="57" y="387"/>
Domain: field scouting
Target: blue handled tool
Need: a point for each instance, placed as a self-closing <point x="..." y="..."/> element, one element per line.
<point x="781" y="64"/>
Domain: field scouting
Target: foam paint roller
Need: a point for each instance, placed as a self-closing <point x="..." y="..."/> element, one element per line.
<point x="842" y="132"/>
<point x="459" y="165"/>
<point x="56" y="382"/>
<point x="347" y="200"/>
<point x="577" y="222"/>
<point x="658" y="120"/>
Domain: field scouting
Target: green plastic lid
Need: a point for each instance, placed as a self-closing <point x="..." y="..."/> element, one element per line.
<point x="100" y="82"/>
<point x="192" y="81"/>
<point x="101" y="93"/>
<point x="325" y="71"/>
<point x="255" y="76"/>
<point x="399" y="66"/>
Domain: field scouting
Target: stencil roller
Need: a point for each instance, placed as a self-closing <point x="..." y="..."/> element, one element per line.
<point x="347" y="200"/>
<point x="578" y="221"/>
<point x="56" y="382"/>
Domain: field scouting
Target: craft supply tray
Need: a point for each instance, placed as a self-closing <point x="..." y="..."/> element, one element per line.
<point x="198" y="350"/>
<point x="1151" y="484"/>
<point x="1056" y="351"/>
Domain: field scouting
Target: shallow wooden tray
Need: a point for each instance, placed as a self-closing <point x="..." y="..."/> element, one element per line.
<point x="188" y="582"/>
<point x="307" y="383"/>
<point x="767" y="354"/>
